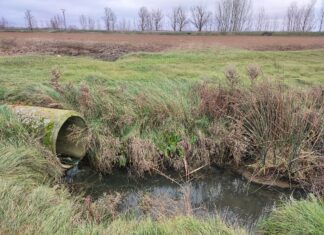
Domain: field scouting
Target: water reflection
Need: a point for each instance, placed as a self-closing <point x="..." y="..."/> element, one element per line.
<point x="219" y="191"/>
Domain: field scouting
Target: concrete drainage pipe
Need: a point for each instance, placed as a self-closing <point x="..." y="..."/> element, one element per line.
<point x="56" y="127"/>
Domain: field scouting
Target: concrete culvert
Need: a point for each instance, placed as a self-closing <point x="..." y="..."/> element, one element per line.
<point x="63" y="131"/>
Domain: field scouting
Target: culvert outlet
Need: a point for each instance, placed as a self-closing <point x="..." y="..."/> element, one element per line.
<point x="57" y="128"/>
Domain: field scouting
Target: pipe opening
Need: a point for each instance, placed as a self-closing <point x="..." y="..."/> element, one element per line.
<point x="70" y="144"/>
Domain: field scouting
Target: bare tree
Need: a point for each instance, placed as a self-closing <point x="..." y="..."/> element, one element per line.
<point x="300" y="18"/>
<point x="110" y="19"/>
<point x="98" y="25"/>
<point x="83" y="22"/>
<point x="64" y="19"/>
<point x="274" y="25"/>
<point x="293" y="17"/>
<point x="308" y="16"/>
<point x="122" y="25"/>
<point x="91" y="23"/>
<point x="223" y="15"/>
<point x="3" y="23"/>
<point x="321" y="17"/>
<point x="200" y="17"/>
<point x="56" y="22"/>
<point x="144" y="19"/>
<point x="242" y="15"/>
<point x="233" y="15"/>
<point x="173" y="18"/>
<point x="182" y="19"/>
<point x="157" y="18"/>
<point x="262" y="22"/>
<point x="30" y="20"/>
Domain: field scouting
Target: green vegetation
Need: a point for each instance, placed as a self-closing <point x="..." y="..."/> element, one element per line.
<point x="175" y="110"/>
<point x="296" y="68"/>
<point x="33" y="201"/>
<point x="170" y="110"/>
<point x="296" y="217"/>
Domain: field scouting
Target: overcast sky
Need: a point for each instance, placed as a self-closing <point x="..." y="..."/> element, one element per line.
<point x="43" y="10"/>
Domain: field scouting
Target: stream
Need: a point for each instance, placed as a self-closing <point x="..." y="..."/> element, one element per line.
<point x="217" y="191"/>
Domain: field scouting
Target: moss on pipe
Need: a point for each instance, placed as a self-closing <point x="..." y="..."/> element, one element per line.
<point x="56" y="127"/>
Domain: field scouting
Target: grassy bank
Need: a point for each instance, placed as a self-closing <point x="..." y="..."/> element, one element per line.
<point x="261" y="111"/>
<point x="296" y="217"/>
<point x="33" y="200"/>
<point x="302" y="68"/>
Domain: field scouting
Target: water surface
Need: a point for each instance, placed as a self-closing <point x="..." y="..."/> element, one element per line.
<point x="216" y="191"/>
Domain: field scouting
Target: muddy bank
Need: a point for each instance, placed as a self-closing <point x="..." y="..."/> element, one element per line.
<point x="103" y="51"/>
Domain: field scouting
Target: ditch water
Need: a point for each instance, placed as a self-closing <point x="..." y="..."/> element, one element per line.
<point x="217" y="191"/>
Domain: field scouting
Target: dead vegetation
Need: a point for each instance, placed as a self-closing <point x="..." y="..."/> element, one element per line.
<point x="271" y="131"/>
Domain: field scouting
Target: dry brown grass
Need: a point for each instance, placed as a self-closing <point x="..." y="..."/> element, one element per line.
<point x="217" y="102"/>
<point x="253" y="72"/>
<point x="8" y="44"/>
<point x="163" y="206"/>
<point x="143" y="155"/>
<point x="270" y="129"/>
<point x="232" y="76"/>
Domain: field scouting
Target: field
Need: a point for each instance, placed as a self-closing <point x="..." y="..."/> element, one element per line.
<point x="111" y="46"/>
<point x="154" y="103"/>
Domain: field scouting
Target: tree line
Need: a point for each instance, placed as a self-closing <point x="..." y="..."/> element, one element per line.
<point x="228" y="16"/>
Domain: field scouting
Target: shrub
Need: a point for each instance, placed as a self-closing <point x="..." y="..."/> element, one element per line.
<point x="232" y="76"/>
<point x="253" y="72"/>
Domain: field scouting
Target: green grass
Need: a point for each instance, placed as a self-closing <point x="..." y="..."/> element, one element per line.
<point x="153" y="101"/>
<point x="303" y="67"/>
<point x="33" y="201"/>
<point x="296" y="217"/>
<point x="157" y="104"/>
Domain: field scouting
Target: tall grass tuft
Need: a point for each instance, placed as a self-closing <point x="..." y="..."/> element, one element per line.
<point x="296" y="217"/>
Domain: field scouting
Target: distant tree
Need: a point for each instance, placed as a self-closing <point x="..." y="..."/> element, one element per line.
<point x="30" y="20"/>
<point x="3" y="23"/>
<point x="274" y="25"/>
<point x="200" y="17"/>
<point x="109" y="19"/>
<point x="262" y="23"/>
<point x="182" y="19"/>
<point x="308" y="16"/>
<point x="64" y="19"/>
<point x="124" y="25"/>
<point x="144" y="19"/>
<point x="91" y="23"/>
<point x="233" y="15"/>
<point x="173" y="18"/>
<point x="300" y="19"/>
<point x="57" y="22"/>
<point x="157" y="18"/>
<point x="83" y="22"/>
<point x="293" y="17"/>
<point x="98" y="25"/>
<point x="223" y="15"/>
<point x="321" y="17"/>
